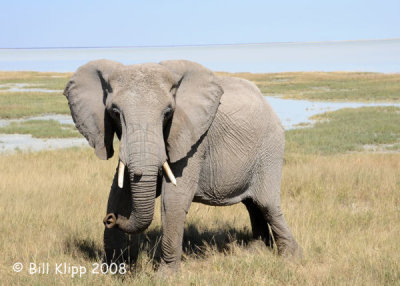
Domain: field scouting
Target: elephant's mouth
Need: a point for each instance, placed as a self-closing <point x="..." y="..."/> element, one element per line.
<point x="121" y="170"/>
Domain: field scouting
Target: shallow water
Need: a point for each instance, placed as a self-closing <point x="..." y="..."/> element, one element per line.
<point x="371" y="55"/>
<point x="25" y="142"/>
<point x="10" y="143"/>
<point x="291" y="112"/>
<point x="24" y="87"/>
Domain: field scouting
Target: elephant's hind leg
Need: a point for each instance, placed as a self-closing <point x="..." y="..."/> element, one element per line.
<point x="258" y="223"/>
<point x="285" y="242"/>
<point x="266" y="195"/>
<point x="283" y="238"/>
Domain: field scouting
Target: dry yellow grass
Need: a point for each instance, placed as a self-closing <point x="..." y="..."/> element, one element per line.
<point x="343" y="210"/>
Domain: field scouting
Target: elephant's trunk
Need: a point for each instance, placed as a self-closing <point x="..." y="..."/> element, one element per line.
<point x="143" y="164"/>
<point x="143" y="193"/>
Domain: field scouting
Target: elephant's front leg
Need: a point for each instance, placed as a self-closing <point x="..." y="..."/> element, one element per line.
<point x="115" y="242"/>
<point x="174" y="207"/>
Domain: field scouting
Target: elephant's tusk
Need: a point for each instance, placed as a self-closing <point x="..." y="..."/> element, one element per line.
<point x="121" y="171"/>
<point x="169" y="173"/>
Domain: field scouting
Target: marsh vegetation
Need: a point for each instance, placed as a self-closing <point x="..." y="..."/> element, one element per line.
<point x="41" y="129"/>
<point x="332" y="86"/>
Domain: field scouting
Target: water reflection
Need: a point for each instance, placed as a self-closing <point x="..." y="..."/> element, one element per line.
<point x="293" y="112"/>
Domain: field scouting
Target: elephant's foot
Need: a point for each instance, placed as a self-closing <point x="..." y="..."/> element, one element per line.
<point x="167" y="270"/>
<point x="290" y="250"/>
<point x="256" y="245"/>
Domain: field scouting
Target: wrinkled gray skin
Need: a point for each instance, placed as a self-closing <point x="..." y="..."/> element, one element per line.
<point x="222" y="140"/>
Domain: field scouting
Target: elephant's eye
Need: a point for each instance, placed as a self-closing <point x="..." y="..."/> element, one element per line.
<point x="168" y="113"/>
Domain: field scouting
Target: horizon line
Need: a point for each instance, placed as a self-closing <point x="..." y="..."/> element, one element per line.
<point x="193" y="45"/>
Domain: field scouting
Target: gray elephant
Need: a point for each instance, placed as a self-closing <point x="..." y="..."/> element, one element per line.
<point x="217" y="139"/>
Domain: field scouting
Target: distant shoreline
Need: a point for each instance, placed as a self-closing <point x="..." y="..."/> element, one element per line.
<point x="358" y="56"/>
<point x="199" y="45"/>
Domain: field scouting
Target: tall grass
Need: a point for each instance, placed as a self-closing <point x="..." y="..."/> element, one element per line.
<point x="342" y="209"/>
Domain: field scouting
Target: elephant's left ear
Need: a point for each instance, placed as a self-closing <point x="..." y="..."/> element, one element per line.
<point x="197" y="99"/>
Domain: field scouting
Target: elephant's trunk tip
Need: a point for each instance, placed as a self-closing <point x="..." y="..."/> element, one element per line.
<point x="110" y="220"/>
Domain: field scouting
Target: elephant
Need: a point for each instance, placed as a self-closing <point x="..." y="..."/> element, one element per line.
<point x="217" y="139"/>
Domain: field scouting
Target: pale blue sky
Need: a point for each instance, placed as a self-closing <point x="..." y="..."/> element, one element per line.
<point x="79" y="23"/>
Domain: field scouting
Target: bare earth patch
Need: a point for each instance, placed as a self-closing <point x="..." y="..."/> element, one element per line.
<point x="382" y="148"/>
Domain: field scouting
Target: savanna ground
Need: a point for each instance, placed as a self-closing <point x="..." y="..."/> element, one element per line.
<point x="340" y="196"/>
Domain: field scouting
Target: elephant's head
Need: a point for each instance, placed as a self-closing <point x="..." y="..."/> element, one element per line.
<point x="158" y="111"/>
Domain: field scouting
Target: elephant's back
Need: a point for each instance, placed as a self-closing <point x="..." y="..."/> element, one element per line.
<point x="244" y="102"/>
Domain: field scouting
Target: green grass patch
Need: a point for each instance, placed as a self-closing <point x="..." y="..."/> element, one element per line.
<point x="331" y="86"/>
<point x="347" y="130"/>
<point x="20" y="104"/>
<point x="46" y="80"/>
<point x="41" y="129"/>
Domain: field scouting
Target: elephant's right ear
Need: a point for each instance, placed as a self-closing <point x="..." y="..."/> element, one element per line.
<point x="197" y="99"/>
<point x="86" y="92"/>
